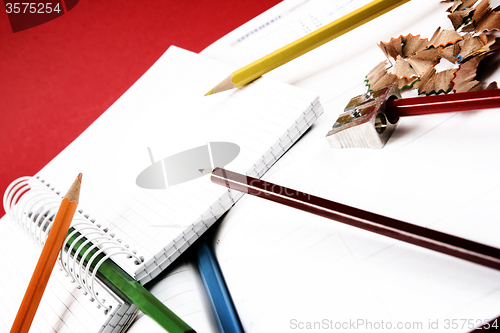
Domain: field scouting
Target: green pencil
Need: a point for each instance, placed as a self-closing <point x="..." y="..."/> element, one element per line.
<point x="127" y="288"/>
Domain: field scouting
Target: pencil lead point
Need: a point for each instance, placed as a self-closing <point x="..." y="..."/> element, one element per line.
<point x="73" y="193"/>
<point x="209" y="93"/>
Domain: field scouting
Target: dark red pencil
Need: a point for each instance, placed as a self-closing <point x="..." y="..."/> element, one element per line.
<point x="466" y="101"/>
<point x="410" y="233"/>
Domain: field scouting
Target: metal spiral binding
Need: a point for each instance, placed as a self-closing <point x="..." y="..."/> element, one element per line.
<point x="33" y="205"/>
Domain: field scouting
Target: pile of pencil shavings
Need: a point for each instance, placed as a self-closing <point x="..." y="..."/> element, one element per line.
<point x="411" y="60"/>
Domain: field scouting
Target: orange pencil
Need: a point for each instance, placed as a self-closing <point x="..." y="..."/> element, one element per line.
<point x="47" y="259"/>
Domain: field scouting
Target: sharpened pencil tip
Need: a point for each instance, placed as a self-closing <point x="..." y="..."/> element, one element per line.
<point x="224" y="85"/>
<point x="73" y="193"/>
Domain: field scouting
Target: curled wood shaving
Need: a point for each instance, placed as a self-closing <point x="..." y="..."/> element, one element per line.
<point x="403" y="69"/>
<point x="412" y="44"/>
<point x="473" y="46"/>
<point x="433" y="82"/>
<point x="467" y="48"/>
<point x="403" y="46"/>
<point x="414" y="58"/>
<point x="406" y="83"/>
<point x="391" y="49"/>
<point x="423" y="60"/>
<point x="484" y="18"/>
<point x="379" y="77"/>
<point x="450" y="53"/>
<point x="463" y="80"/>
<point x="461" y="17"/>
<point x="443" y="38"/>
<point x="460" y="5"/>
<point x="411" y="57"/>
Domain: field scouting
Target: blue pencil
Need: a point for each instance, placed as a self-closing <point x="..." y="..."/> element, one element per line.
<point x="221" y="302"/>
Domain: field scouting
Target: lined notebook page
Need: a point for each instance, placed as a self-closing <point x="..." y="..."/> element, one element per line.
<point x="63" y="308"/>
<point x="277" y="27"/>
<point x="167" y="111"/>
<point x="182" y="291"/>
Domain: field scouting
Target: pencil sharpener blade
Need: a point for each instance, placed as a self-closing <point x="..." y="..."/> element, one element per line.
<point x="364" y="122"/>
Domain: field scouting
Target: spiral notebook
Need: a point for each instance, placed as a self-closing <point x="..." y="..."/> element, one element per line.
<point x="163" y="114"/>
<point x="65" y="306"/>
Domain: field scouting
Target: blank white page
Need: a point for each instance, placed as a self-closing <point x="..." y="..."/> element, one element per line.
<point x="63" y="308"/>
<point x="166" y="110"/>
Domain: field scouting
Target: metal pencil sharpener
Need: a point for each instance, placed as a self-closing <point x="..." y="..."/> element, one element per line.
<point x="364" y="123"/>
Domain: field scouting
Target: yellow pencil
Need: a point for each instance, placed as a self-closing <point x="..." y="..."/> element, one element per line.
<point x="305" y="44"/>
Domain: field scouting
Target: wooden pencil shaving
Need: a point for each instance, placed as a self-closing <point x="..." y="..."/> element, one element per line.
<point x="379" y="77"/>
<point x="433" y="82"/>
<point x="450" y="53"/>
<point x="391" y="49"/>
<point x="470" y="46"/>
<point x="403" y="69"/>
<point x="444" y="38"/>
<point x="460" y="5"/>
<point x="424" y="60"/>
<point x="461" y="12"/>
<point x="463" y="80"/>
<point x="473" y="46"/>
<point x="411" y="59"/>
<point x="410" y="55"/>
<point x="484" y="18"/>
<point x="403" y="46"/>
<point x="461" y="17"/>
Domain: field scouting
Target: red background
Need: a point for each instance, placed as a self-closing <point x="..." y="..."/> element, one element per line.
<point x="57" y="78"/>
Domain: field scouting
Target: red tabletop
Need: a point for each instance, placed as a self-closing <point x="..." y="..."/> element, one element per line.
<point x="58" y="77"/>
